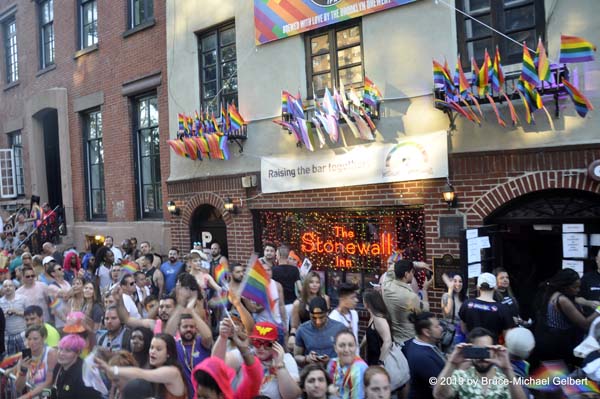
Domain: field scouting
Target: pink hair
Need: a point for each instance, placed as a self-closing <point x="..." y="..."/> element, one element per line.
<point x="67" y="263"/>
<point x="72" y="342"/>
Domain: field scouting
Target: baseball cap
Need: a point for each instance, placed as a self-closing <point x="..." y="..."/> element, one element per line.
<point x="486" y="278"/>
<point x="318" y="303"/>
<point x="264" y="331"/>
<point x="519" y="342"/>
<point x="47" y="260"/>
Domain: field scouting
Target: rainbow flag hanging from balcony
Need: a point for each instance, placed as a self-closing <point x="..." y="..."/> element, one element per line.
<point x="528" y="73"/>
<point x="371" y="94"/>
<point x="543" y="66"/>
<point x="582" y="104"/>
<point x="575" y="49"/>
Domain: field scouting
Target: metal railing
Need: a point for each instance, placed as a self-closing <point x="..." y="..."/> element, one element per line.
<point x="50" y="228"/>
<point x="8" y="385"/>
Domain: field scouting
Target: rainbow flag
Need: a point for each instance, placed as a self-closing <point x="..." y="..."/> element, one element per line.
<point x="284" y="102"/>
<point x="588" y="386"/>
<point x="528" y="73"/>
<point x="463" y="83"/>
<point x="220" y="273"/>
<point x="180" y="123"/>
<point x="543" y="66"/>
<point x="224" y="147"/>
<point x="10" y="361"/>
<point x="236" y="119"/>
<point x="56" y="303"/>
<point x="371" y="93"/>
<point x="582" y="104"/>
<point x="222" y="300"/>
<point x="575" y="49"/>
<point x="255" y="285"/>
<point x="474" y="72"/>
<point x="483" y="79"/>
<point x="129" y="266"/>
<point x="178" y="147"/>
<point x="440" y="75"/>
<point x="542" y="379"/>
<point x="496" y="73"/>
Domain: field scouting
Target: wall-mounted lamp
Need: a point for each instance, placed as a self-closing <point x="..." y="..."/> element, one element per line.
<point x="449" y="195"/>
<point x="172" y="208"/>
<point x="229" y="206"/>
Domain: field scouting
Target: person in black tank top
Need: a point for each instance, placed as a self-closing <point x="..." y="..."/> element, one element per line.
<point x="378" y="337"/>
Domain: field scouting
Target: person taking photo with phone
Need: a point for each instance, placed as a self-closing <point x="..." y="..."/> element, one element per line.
<point x="36" y="366"/>
<point x="478" y="369"/>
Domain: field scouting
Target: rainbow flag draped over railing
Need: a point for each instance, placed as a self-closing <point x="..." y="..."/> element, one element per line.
<point x="529" y="73"/>
<point x="543" y="65"/>
<point x="255" y="285"/>
<point x="575" y="49"/>
<point x="371" y="93"/>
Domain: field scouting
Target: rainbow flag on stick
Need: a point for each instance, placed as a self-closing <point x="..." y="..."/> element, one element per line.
<point x="129" y="267"/>
<point x="543" y="66"/>
<point x="575" y="49"/>
<point x="220" y="273"/>
<point x="10" y="361"/>
<point x="371" y="93"/>
<point x="582" y="104"/>
<point x="255" y="285"/>
<point x="528" y="73"/>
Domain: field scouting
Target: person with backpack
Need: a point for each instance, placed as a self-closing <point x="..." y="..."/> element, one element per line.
<point x="117" y="336"/>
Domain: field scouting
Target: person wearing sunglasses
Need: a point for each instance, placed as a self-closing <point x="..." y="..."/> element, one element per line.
<point x="130" y="295"/>
<point x="280" y="371"/>
<point x="59" y="291"/>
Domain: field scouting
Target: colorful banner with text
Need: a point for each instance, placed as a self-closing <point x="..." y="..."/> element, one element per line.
<point x="278" y="19"/>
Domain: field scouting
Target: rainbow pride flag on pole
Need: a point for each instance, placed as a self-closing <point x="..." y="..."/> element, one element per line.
<point x="371" y="94"/>
<point x="575" y="49"/>
<point x="129" y="266"/>
<point x="582" y="104"/>
<point x="529" y="73"/>
<point x="220" y="273"/>
<point x="255" y="285"/>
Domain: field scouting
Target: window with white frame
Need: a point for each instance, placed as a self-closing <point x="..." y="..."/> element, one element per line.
<point x="10" y="50"/>
<point x="15" y="141"/>
<point x="88" y="23"/>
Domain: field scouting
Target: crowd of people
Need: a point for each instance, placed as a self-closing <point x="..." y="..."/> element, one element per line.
<point x="123" y="323"/>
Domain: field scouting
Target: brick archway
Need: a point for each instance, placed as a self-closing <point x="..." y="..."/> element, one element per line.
<point x="528" y="183"/>
<point x="201" y="199"/>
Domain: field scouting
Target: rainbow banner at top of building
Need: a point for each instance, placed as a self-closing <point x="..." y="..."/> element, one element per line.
<point x="278" y="19"/>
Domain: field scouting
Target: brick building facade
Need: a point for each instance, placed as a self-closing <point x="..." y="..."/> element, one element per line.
<point x="81" y="61"/>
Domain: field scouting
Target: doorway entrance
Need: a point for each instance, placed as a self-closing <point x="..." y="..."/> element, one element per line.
<point x="529" y="237"/>
<point x="207" y="226"/>
<point x="49" y="123"/>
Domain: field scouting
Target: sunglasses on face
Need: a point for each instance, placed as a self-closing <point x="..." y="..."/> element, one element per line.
<point x="262" y="344"/>
<point x="132" y="283"/>
<point x="29" y="276"/>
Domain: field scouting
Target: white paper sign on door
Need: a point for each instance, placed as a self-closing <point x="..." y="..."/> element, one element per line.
<point x="574" y="245"/>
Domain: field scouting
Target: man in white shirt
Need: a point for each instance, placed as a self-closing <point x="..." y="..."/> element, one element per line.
<point x="345" y="313"/>
<point x="129" y="290"/>
<point x="108" y="242"/>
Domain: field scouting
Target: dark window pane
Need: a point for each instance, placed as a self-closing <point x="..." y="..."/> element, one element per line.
<point x="209" y="90"/>
<point x="348" y="56"/>
<point x="228" y="53"/>
<point x="319" y="44"/>
<point x="227" y="36"/>
<point x="477" y="48"/>
<point x="525" y="36"/>
<point x="229" y="69"/>
<point x="321" y="63"/>
<point x="320" y="82"/>
<point x="475" y="29"/>
<point x="508" y="3"/>
<point x="210" y="73"/>
<point x="209" y="42"/>
<point x="351" y="75"/>
<point x="209" y="58"/>
<point x="348" y="36"/>
<point x="472" y="6"/>
<point x="519" y="18"/>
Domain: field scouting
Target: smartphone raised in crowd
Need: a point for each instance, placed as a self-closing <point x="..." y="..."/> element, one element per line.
<point x="476" y="352"/>
<point x="25" y="353"/>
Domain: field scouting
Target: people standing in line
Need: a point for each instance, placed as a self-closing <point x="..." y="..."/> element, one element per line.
<point x="171" y="269"/>
<point x="401" y="300"/>
<point x="378" y="336"/>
